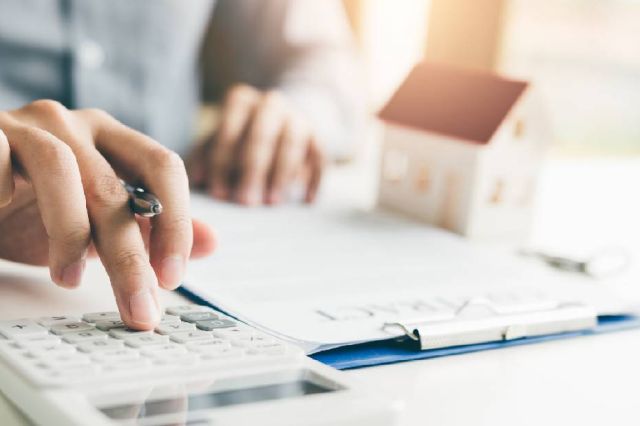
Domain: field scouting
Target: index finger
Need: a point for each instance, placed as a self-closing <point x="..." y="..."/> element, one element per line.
<point x="162" y="172"/>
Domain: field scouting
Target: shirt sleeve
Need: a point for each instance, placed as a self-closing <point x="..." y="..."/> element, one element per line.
<point x="305" y="49"/>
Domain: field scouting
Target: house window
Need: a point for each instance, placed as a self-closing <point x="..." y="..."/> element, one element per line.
<point x="395" y="166"/>
<point x="497" y="192"/>
<point x="423" y="179"/>
<point x="518" y="128"/>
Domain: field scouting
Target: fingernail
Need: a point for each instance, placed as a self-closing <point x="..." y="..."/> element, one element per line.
<point x="219" y="192"/>
<point x="172" y="269"/>
<point x="275" y="197"/>
<point x="252" y="197"/>
<point x="143" y="308"/>
<point x="72" y="274"/>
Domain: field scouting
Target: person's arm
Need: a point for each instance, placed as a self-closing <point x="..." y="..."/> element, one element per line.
<point x="296" y="64"/>
<point x="61" y="200"/>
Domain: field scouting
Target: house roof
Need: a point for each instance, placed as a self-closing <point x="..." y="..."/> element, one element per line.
<point x="461" y="103"/>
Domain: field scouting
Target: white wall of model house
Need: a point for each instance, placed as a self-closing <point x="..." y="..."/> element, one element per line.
<point x="483" y="191"/>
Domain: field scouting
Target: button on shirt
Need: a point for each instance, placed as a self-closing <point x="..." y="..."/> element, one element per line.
<point x="140" y="60"/>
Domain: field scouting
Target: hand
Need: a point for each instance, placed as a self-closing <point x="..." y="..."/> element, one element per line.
<point x="262" y="147"/>
<point x="60" y="196"/>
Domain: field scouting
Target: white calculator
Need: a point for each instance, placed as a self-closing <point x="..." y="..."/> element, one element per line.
<point x="198" y="367"/>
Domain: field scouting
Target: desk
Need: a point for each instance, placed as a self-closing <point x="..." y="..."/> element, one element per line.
<point x="583" y="381"/>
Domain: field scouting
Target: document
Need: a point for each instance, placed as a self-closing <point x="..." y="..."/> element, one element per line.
<point x="330" y="275"/>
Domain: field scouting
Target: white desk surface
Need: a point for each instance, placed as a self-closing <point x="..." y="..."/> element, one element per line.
<point x="582" y="381"/>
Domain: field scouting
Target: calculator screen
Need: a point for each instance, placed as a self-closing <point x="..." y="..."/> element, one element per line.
<point x="215" y="399"/>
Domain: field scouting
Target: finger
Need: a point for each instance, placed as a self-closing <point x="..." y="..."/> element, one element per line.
<point x="163" y="173"/>
<point x="290" y="155"/>
<point x="119" y="243"/>
<point x="7" y="185"/>
<point x="53" y="171"/>
<point x="316" y="162"/>
<point x="204" y="239"/>
<point x="236" y="113"/>
<point x="196" y="164"/>
<point x="258" y="150"/>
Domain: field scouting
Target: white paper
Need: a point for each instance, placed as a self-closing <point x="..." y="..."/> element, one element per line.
<point x="326" y="276"/>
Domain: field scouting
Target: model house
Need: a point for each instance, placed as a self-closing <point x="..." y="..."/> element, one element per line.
<point x="462" y="150"/>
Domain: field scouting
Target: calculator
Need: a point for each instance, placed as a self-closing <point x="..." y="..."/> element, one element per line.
<point x="198" y="367"/>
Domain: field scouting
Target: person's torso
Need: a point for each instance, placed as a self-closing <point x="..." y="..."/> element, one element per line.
<point x="138" y="60"/>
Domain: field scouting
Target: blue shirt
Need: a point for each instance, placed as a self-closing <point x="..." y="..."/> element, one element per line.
<point x="140" y="60"/>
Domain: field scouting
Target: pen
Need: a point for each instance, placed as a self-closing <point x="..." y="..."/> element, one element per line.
<point x="141" y="202"/>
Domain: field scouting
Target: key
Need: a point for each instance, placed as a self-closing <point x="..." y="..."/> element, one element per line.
<point x="187" y="359"/>
<point x="100" y="345"/>
<point x="60" y="319"/>
<point x="191" y="336"/>
<point x="21" y="328"/>
<point x="222" y="353"/>
<point x="71" y="327"/>
<point x="66" y="360"/>
<point x="250" y="341"/>
<point x="122" y="332"/>
<point x="38" y="341"/>
<point x="169" y="319"/>
<point x="116" y="355"/>
<point x="106" y="324"/>
<point x="203" y="346"/>
<point x="233" y="332"/>
<point x="175" y="328"/>
<point x="47" y="351"/>
<point x="185" y="309"/>
<point x="84" y="336"/>
<point x="267" y="349"/>
<point x="75" y="373"/>
<point x="146" y="340"/>
<point x="167" y="349"/>
<point x="101" y="316"/>
<point x="198" y="316"/>
<point x="138" y="365"/>
<point x="214" y="324"/>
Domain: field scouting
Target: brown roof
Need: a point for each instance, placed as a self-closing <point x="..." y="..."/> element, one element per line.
<point x="465" y="104"/>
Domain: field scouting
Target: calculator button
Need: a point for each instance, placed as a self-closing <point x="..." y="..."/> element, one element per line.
<point x="274" y="348"/>
<point x="122" y="332"/>
<point x="168" y="349"/>
<point x="185" y="309"/>
<point x="106" y="325"/>
<point x="60" y="319"/>
<point x="53" y="350"/>
<point x="38" y="341"/>
<point x="116" y="355"/>
<point x="214" y="324"/>
<point x="186" y="359"/>
<point x="22" y="328"/>
<point x="138" y="365"/>
<point x="71" y="327"/>
<point x="75" y="373"/>
<point x="252" y="340"/>
<point x="222" y="353"/>
<point x="169" y="319"/>
<point x="198" y="316"/>
<point x="204" y="346"/>
<point x="84" y="336"/>
<point x="175" y="328"/>
<point x="65" y="360"/>
<point x="100" y="345"/>
<point x="146" y="340"/>
<point x="233" y="332"/>
<point x="101" y="316"/>
<point x="191" y="336"/>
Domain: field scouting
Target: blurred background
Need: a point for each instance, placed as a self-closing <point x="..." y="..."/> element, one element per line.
<point x="582" y="55"/>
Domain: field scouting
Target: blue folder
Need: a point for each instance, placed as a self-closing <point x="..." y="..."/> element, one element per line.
<point x="404" y="349"/>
